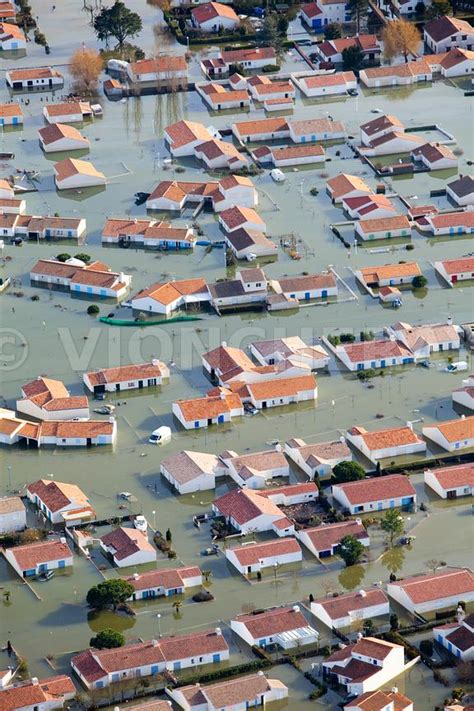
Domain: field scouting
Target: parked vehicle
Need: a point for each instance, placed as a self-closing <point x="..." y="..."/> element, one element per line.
<point x="277" y="175"/>
<point x="160" y="435"/>
<point x="99" y="396"/>
<point x="105" y="410"/>
<point x="457" y="366"/>
<point x="125" y="495"/>
<point x="251" y="257"/>
<point x="44" y="577"/>
<point x="425" y="363"/>
<point x="140" y="523"/>
<point x="249" y="409"/>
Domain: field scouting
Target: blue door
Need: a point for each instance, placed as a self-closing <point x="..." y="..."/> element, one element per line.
<point x="177" y="666"/>
<point x="406" y="501"/>
<point x="307" y="295"/>
<point x="220" y="419"/>
<point x="216" y="658"/>
<point x="61" y="564"/>
<point x="196" y="425"/>
<point x="42" y="567"/>
<point x="392" y="504"/>
<point x="154" y="669"/>
<point x="379" y="506"/>
<point x="382" y="364"/>
<point x="15" y="120"/>
<point x="317" y="22"/>
<point x="324" y="293"/>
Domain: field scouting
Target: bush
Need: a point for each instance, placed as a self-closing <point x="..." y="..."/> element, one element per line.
<point x="314" y="192"/>
<point x="83" y="257"/>
<point x="347" y="338"/>
<point x="419" y="282"/>
<point x="63" y="257"/>
<point x="348" y="471"/>
<point x="40" y="38"/>
<point x="107" y="639"/>
<point x="409" y="247"/>
<point x="268" y="68"/>
<point x="93" y="310"/>
<point x="366" y="374"/>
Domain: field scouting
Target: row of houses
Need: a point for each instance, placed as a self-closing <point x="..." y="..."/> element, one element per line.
<point x="93" y="279"/>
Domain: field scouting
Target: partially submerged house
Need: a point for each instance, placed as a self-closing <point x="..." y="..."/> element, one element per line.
<point x="396" y="75"/>
<point x="388" y="274"/>
<point x="451" y="482"/>
<point x="344" y="186"/>
<point x="452" y="435"/>
<point x="67" y="112"/>
<point x="61" y="503"/>
<point x="47" y="399"/>
<point x="323" y="541"/>
<point x="72" y="173"/>
<point x="229" y="695"/>
<point x="94" y="279"/>
<point x="190" y="471"/>
<point x="58" y="137"/>
<point x="464" y="395"/>
<point x="461" y="190"/>
<point x="284" y="627"/>
<point x="164" y="583"/>
<point x="444" y="33"/>
<point x="128" y="546"/>
<point x="455" y="270"/>
<point x="424" y="593"/>
<point x="426" y="339"/>
<point x="166" y="297"/>
<point x="386" y="443"/>
<point x="381" y="700"/>
<point x="375" y="494"/>
<point x="255" y="470"/>
<point x="291" y="348"/>
<point x="343" y="610"/>
<point x="318" y="459"/>
<point x="255" y="557"/>
<point x="457" y="637"/>
<point x="216" y="408"/>
<point x="12" y="514"/>
<point x="36" y="558"/>
<point x="368" y="355"/>
<point x="383" y="228"/>
<point x="148" y="233"/>
<point x="42" y="78"/>
<point x="38" y="694"/>
<point x="126" y="377"/>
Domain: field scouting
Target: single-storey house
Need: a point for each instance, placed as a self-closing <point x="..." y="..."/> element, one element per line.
<point x="451" y="482"/>
<point x="232" y="190"/>
<point x="374" y="354"/>
<point x="190" y="471"/>
<point x="375" y="494"/>
<point x="230" y="695"/>
<point x="100" y="668"/>
<point x="323" y="541"/>
<point x="391" y="144"/>
<point x="164" y="298"/>
<point x="452" y="435"/>
<point x="461" y="190"/>
<point x="306" y="287"/>
<point x="267" y="129"/>
<point x="344" y="186"/>
<point x="449" y="223"/>
<point x="72" y="173"/>
<point x="344" y="609"/>
<point x="382" y="700"/>
<point x="95" y="278"/>
<point x="433" y="591"/>
<point x="435" y="156"/>
<point x="284" y="627"/>
<point x="428" y="338"/>
<point x="213" y="409"/>
<point x="165" y="71"/>
<point x="183" y="136"/>
<point x="12" y="514"/>
<point x="40" y="695"/>
<point x="37" y="78"/>
<point x="251" y="58"/>
<point x="126" y="377"/>
<point x="457" y="638"/>
<point x="256" y="469"/>
<point x="384" y="228"/>
<point x="60" y="503"/>
<point x="236" y="218"/>
<point x="255" y="557"/>
<point x="166" y="582"/>
<point x="148" y="234"/>
<point x="244" y="242"/>
<point x="248" y="510"/>
<point x="68" y="112"/>
<point x="214" y="16"/>
<point x="11" y="115"/>
<point x="12" y="37"/>
<point x="388" y="274"/>
<point x="128" y="546"/>
<point x="36" y="558"/>
<point x="322" y="129"/>
<point x="291" y="348"/>
<point x="464" y="395"/>
<point x="396" y="75"/>
<point x="319" y="459"/>
<point x="317" y="85"/>
<point x="58" y="137"/>
<point x="369" y="206"/>
<point x="46" y="399"/>
<point x="380" y="126"/>
<point x="387" y="443"/>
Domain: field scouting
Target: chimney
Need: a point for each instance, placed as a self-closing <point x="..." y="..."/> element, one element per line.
<point x="62" y="539"/>
<point x="296" y="608"/>
<point x="394" y="689"/>
<point x="218" y="631"/>
<point x="136" y="576"/>
<point x="154" y="643"/>
<point x="34" y="680"/>
<point x="410" y="425"/>
<point x="449" y="320"/>
<point x="224" y="344"/>
<point x="362" y="593"/>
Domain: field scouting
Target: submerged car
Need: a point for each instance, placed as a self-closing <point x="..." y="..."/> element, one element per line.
<point x="457" y="366"/>
<point x="44" y="577"/>
<point x="160" y="435"/>
<point x="140" y="523"/>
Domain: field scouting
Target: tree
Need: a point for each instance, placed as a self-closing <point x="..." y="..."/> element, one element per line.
<point x="439" y="8"/>
<point x="419" y="282"/>
<point x="269" y="36"/>
<point x="368" y="628"/>
<point x="352" y="58"/>
<point x="357" y="10"/>
<point x="420" y="8"/>
<point x="118" y="22"/>
<point x="426" y="647"/>
<point x="393" y="524"/>
<point x="93" y="310"/>
<point x="350" y="549"/>
<point x="177" y="605"/>
<point x="7" y="595"/>
<point x="394" y="624"/>
<point x="282" y="25"/>
<point x="107" y="639"/>
<point x="83" y="257"/>
<point x="109" y="593"/>
<point x="85" y="67"/>
<point x="206" y="574"/>
<point x="333" y="31"/>
<point x="169" y="535"/>
<point x="400" y="38"/>
<point x="63" y="257"/>
<point x="348" y="471"/>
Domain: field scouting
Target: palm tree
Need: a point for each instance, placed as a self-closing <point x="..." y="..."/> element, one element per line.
<point x="7" y="595"/>
<point x="206" y="574"/>
<point x="177" y="605"/>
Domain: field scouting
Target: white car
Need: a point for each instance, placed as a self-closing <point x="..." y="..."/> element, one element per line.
<point x="251" y="257"/>
<point x="277" y="175"/>
<point x="456" y="367"/>
<point x="117" y="65"/>
<point x="160" y="435"/>
<point x="140" y="523"/>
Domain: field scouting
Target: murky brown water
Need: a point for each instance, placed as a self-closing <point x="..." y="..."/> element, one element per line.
<point x="63" y="342"/>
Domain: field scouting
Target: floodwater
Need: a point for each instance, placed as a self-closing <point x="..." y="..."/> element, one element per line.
<point x="54" y="336"/>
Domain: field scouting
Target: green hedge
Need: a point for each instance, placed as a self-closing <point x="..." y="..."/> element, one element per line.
<point x="226" y="673"/>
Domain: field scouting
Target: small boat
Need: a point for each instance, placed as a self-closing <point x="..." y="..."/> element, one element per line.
<point x="125" y="495"/>
<point x="6" y="156"/>
<point x="44" y="577"/>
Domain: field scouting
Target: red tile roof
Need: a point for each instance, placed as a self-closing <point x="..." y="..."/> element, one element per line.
<point x="51" y="692"/>
<point x="343" y="605"/>
<point x="439" y="585"/>
<point x="253" y="553"/>
<point x="455" y="477"/>
<point x="31" y="555"/>
<point x="273" y="622"/>
<point x="382" y="488"/>
<point x="326" y="536"/>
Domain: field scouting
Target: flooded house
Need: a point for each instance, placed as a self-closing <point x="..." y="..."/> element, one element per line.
<point x="464" y="395"/>
<point x="61" y="503"/>
<point x="40" y="694"/>
<point x="384" y="228"/>
<point x="213" y="409"/>
<point x="316" y="129"/>
<point x="183" y="136"/>
<point x="287" y="156"/>
<point x="128" y="546"/>
<point x="12" y="514"/>
<point x="49" y="227"/>
<point x="331" y="50"/>
<point x="136" y="376"/>
<point x="235" y="218"/>
<point x="378" y="127"/>
<point x="386" y="443"/>
<point x="326" y="85"/>
<point x="318" y="459"/>
<point x="42" y="78"/>
<point x="11" y="114"/>
<point x="452" y="435"/>
<point x="8" y="12"/>
<point x="72" y="173"/>
<point x="189" y="471"/>
<point x="388" y="274"/>
<point x="451" y="482"/>
<point x="244" y="243"/>
<point x="365" y="665"/>
<point x="381" y="700"/>
<point x="264" y="89"/>
<point x="344" y="186"/>
<point x="250" y="58"/>
<point x="164" y="298"/>
<point x="36" y="558"/>
<point x="426" y="339"/>
<point x="57" y="137"/>
<point x="276" y="392"/>
<point x="461" y="190"/>
<point x="385" y="492"/>
<point x="396" y="75"/>
<point x="232" y="190"/>
<point x="449" y="223"/>
<point x="306" y="287"/>
<point x="255" y="557"/>
<point x="248" y="290"/>
<point x="150" y="234"/>
<point x="12" y="37"/>
<point x="369" y="206"/>
<point x="217" y="154"/>
<point x="434" y="156"/>
<point x="256" y="470"/>
<point x="457" y="637"/>
<point x="323" y="541"/>
<point x="98" y="669"/>
<point x="421" y="594"/>
<point x="95" y="279"/>
<point x="284" y="627"/>
<point x="374" y="354"/>
<point x="229" y="695"/>
<point x="214" y="16"/>
<point x="217" y="97"/>
<point x="292" y="348"/>
<point x="164" y="583"/>
<point x="444" y="33"/>
<point x="246" y="510"/>
<point x="67" y="112"/>
<point x="163" y="72"/>
<point x="458" y="62"/>
<point x="59" y="433"/>
<point x="47" y="399"/>
<point x="346" y="609"/>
